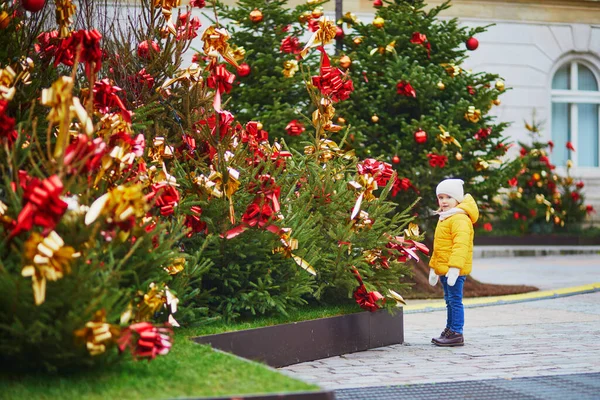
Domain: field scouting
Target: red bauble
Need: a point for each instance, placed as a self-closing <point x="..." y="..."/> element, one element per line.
<point x="33" y="5"/>
<point x="243" y="70"/>
<point x="396" y="159"/>
<point x="339" y="32"/>
<point x="420" y="136"/>
<point x="143" y="50"/>
<point x="378" y="4"/>
<point x="472" y="43"/>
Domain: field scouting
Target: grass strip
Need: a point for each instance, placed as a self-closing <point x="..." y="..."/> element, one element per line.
<point x="189" y="370"/>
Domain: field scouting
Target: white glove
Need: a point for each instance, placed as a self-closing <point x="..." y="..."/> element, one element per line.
<point x="452" y="275"/>
<point x="433" y="278"/>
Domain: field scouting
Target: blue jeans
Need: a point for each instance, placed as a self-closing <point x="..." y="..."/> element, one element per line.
<point x="454" y="305"/>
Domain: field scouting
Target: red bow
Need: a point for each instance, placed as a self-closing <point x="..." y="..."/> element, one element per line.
<point x="365" y="299"/>
<point x="43" y="206"/>
<point x="106" y="99"/>
<point x="435" y="160"/>
<point x="150" y="341"/>
<point x="381" y="171"/>
<point x="222" y="81"/>
<point x="329" y="82"/>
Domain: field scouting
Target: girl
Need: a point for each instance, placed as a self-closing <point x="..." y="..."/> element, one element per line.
<point x="452" y="256"/>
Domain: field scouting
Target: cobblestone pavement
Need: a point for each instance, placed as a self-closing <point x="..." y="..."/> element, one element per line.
<point x="532" y="339"/>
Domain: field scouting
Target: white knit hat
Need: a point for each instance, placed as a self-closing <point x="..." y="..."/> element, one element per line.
<point x="451" y="187"/>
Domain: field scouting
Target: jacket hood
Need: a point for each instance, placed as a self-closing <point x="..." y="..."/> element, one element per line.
<point x="470" y="207"/>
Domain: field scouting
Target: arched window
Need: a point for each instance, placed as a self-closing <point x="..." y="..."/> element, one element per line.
<point x="576" y="115"/>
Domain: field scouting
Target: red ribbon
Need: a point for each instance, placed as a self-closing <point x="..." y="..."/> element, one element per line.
<point x="290" y="45"/>
<point x="405" y="89"/>
<point x="407" y="248"/>
<point x="381" y="171"/>
<point x="435" y="160"/>
<point x="222" y="81"/>
<point x="365" y="299"/>
<point x="106" y="99"/>
<point x="43" y="206"/>
<point x="421" y="39"/>
<point x="146" y="340"/>
<point x="330" y="82"/>
<point x="168" y="197"/>
<point x="295" y="128"/>
<point x="87" y="43"/>
<point x="7" y="125"/>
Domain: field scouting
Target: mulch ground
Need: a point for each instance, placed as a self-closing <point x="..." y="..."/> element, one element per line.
<point x="421" y="289"/>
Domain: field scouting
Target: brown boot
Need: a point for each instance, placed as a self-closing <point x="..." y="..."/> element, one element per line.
<point x="442" y="335"/>
<point x="451" y="339"/>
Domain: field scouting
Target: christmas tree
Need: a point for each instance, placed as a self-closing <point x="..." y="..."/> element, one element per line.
<point x="89" y="260"/>
<point x="416" y="106"/>
<point x="271" y="80"/>
<point x="540" y="200"/>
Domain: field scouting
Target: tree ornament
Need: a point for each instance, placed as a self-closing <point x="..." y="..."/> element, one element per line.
<point x="357" y="40"/>
<point x="420" y="136"/>
<point x="375" y="118"/>
<point x="33" y="5"/>
<point x="378" y="22"/>
<point x="244" y="70"/>
<point x="4" y="19"/>
<point x="256" y="16"/>
<point x="378" y="4"/>
<point x="311" y="2"/>
<point x="339" y="32"/>
<point x="441" y="85"/>
<point x="345" y="62"/>
<point x="472" y="43"/>
<point x="143" y="50"/>
<point x="500" y="85"/>
<point x="396" y="159"/>
<point x="496" y="102"/>
<point x="458" y="156"/>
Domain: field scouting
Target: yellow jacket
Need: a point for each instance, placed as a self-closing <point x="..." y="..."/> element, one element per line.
<point x="453" y="240"/>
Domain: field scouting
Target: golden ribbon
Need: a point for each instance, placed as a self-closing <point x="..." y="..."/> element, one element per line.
<point x="365" y="184"/>
<point x="97" y="333"/>
<point x="215" y="44"/>
<point x="119" y="204"/>
<point x="65" y="9"/>
<point x="447" y="139"/>
<point x="324" y="35"/>
<point x="288" y="245"/>
<point x="290" y="67"/>
<point x="64" y="107"/>
<point x="7" y="80"/>
<point x="49" y="259"/>
<point x="191" y="75"/>
<point x="473" y="114"/>
<point x="166" y="6"/>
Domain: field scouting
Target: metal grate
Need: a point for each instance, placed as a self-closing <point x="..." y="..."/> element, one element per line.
<point x="563" y="387"/>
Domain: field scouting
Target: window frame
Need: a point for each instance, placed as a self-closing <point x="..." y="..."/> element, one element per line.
<point x="573" y="97"/>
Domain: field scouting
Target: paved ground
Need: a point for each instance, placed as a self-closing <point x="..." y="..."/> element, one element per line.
<point x="540" y="338"/>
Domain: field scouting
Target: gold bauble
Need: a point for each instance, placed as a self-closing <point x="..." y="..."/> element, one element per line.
<point x="458" y="156"/>
<point x="357" y="40"/>
<point x="317" y="12"/>
<point x="500" y="85"/>
<point x="378" y="22"/>
<point x="496" y="102"/>
<point x="345" y="61"/>
<point x="259" y="126"/>
<point x="375" y="118"/>
<point x="544" y="174"/>
<point x="441" y="85"/>
<point x="557" y="220"/>
<point x="311" y="2"/>
<point x="4" y="19"/>
<point x="539" y="184"/>
<point x="536" y="176"/>
<point x="520" y="190"/>
<point x="341" y="120"/>
<point x="256" y="15"/>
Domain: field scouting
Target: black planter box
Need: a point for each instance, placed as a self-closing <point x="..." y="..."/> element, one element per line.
<point x="287" y="344"/>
